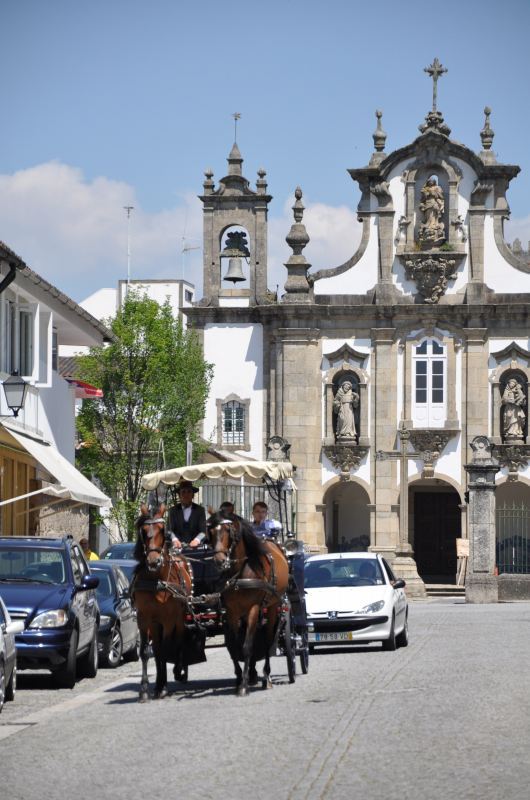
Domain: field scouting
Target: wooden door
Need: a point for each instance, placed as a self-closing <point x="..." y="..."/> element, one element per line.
<point x="437" y="523"/>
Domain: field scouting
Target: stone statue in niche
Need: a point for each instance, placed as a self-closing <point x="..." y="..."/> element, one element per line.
<point x="344" y="403"/>
<point x="513" y="417"/>
<point x="432" y="206"/>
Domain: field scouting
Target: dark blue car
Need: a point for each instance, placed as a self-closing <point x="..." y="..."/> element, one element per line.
<point x="46" y="583"/>
<point x="118" y="634"/>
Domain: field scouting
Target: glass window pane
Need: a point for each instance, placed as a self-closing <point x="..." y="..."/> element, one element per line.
<point x="422" y="348"/>
<point x="437" y="367"/>
<point x="421" y="395"/>
<point x="437" y="348"/>
<point x="421" y="381"/>
<point x="421" y="368"/>
<point x="437" y="381"/>
<point x="437" y="396"/>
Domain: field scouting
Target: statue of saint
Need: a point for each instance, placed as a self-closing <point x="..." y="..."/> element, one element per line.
<point x="513" y="416"/>
<point x="432" y="207"/>
<point x="343" y="404"/>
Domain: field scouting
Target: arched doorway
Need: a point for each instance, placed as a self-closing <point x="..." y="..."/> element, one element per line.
<point x="435" y="524"/>
<point x="512" y="528"/>
<point x="347" y="517"/>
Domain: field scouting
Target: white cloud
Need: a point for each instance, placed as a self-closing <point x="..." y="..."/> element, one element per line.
<point x="73" y="231"/>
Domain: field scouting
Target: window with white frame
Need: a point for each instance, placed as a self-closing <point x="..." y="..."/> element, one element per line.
<point x="429" y="370"/>
<point x="17" y="345"/>
<point x="233" y="423"/>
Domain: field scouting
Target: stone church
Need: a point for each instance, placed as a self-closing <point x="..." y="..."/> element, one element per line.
<point x="375" y="377"/>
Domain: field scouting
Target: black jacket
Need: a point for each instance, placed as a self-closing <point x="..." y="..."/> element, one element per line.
<point x="196" y="525"/>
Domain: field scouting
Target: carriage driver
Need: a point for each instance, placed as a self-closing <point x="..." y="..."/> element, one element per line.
<point x="187" y="520"/>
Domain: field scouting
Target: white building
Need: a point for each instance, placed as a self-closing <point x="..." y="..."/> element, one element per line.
<point x="41" y="491"/>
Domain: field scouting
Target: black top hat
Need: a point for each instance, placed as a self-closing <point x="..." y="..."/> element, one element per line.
<point x="187" y="485"/>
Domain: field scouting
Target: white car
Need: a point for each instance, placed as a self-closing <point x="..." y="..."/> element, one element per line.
<point x="8" y="655"/>
<point x="354" y="598"/>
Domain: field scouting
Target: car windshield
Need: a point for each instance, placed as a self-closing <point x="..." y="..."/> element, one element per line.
<point x="120" y="550"/>
<point x="32" y="564"/>
<point x="343" y="572"/>
<point x="105" y="588"/>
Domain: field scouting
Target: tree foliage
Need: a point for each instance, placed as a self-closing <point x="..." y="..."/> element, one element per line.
<point x="155" y="383"/>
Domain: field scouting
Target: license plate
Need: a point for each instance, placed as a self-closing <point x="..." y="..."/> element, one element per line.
<point x="342" y="636"/>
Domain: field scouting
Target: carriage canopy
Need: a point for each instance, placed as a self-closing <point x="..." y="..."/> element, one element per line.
<point x="274" y="470"/>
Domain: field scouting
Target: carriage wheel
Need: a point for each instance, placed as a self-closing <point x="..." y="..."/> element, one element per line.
<point x="304" y="654"/>
<point x="289" y="646"/>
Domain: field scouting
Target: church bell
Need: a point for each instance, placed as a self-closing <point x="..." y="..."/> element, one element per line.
<point x="235" y="271"/>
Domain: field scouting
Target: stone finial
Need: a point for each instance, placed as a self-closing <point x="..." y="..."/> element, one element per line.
<point x="487" y="133"/>
<point x="379" y="135"/>
<point x="208" y="183"/>
<point x="235" y="161"/>
<point x="297" y="286"/>
<point x="261" y="183"/>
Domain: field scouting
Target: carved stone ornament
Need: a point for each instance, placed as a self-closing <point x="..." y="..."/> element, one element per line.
<point x="431" y="274"/>
<point x="345" y="457"/>
<point x="513" y="456"/>
<point x="429" y="444"/>
<point x="278" y="449"/>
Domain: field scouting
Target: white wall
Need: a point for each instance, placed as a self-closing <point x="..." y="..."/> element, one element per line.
<point x="360" y="278"/>
<point x="236" y="352"/>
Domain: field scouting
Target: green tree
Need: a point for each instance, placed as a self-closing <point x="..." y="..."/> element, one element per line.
<point x="155" y="383"/>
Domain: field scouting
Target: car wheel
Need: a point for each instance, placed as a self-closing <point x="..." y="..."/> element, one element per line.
<point x="88" y="664"/>
<point x="402" y="639"/>
<point x="390" y="643"/>
<point x="2" y="686"/>
<point x="115" y="649"/>
<point x="64" y="677"/>
<point x="134" y="653"/>
<point x="11" y="688"/>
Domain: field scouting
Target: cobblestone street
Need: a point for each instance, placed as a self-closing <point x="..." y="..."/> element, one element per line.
<point x="449" y="714"/>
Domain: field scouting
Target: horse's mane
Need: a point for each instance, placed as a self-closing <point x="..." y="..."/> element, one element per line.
<point x="255" y="546"/>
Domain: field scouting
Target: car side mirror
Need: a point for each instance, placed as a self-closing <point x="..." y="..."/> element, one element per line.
<point x="399" y="584"/>
<point x="88" y="582"/>
<point x="17" y="626"/>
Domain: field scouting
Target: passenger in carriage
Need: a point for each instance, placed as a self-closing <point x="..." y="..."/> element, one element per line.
<point x="261" y="524"/>
<point x="187" y="520"/>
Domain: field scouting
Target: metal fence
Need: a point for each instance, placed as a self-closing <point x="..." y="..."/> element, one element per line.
<point x="513" y="538"/>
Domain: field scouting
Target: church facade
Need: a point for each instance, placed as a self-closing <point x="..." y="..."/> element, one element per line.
<point x="374" y="377"/>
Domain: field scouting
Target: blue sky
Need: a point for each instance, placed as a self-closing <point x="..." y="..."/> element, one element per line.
<point x="110" y="102"/>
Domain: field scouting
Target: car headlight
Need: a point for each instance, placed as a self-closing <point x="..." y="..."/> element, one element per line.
<point x="372" y="608"/>
<point x="104" y="620"/>
<point x="50" y="619"/>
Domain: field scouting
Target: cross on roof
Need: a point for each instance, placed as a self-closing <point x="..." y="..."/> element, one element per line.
<point x="435" y="70"/>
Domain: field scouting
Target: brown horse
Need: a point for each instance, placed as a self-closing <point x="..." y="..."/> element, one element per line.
<point x="257" y="576"/>
<point x="161" y="587"/>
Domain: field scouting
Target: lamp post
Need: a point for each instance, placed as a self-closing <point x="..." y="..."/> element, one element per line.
<point x="15" y="389"/>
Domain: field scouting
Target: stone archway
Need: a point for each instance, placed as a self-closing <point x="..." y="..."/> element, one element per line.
<point x="435" y="522"/>
<point x="347" y="517"/>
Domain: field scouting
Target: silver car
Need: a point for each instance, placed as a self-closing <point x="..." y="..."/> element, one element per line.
<point x="8" y="655"/>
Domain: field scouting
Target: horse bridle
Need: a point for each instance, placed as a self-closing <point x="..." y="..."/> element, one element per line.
<point x="233" y="540"/>
<point x="150" y="534"/>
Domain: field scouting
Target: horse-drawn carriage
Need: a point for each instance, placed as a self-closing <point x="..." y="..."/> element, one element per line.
<point x="248" y="588"/>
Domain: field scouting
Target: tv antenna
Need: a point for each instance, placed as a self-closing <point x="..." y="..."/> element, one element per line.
<point x="128" y="210"/>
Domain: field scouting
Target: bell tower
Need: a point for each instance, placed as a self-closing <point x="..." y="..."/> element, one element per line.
<point x="235" y="237"/>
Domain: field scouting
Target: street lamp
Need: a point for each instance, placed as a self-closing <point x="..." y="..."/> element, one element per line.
<point x="15" y="391"/>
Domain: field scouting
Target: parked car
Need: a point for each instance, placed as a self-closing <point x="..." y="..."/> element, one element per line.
<point x="128" y="565"/>
<point x="118" y="550"/>
<point x="8" y="655"/>
<point x="118" y="633"/>
<point x="354" y="598"/>
<point x="47" y="585"/>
